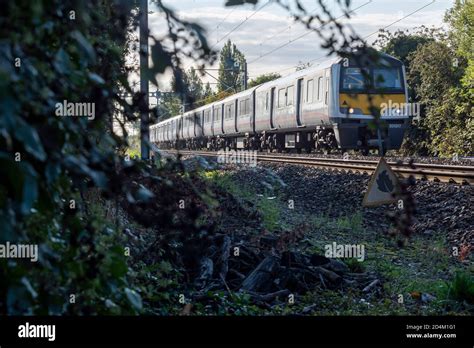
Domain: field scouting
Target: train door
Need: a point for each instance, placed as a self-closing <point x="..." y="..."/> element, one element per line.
<point x="212" y="120"/>
<point x="272" y="108"/>
<point x="253" y="116"/>
<point x="326" y="92"/>
<point x="299" y="104"/>
<point x="222" y="119"/>
<point x="235" y="116"/>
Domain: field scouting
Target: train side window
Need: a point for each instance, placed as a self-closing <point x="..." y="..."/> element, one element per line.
<point x="267" y="97"/>
<point x="320" y="88"/>
<point x="281" y="98"/>
<point x="289" y="95"/>
<point x="241" y="108"/>
<point x="247" y="106"/>
<point x="309" y="91"/>
<point x="327" y="92"/>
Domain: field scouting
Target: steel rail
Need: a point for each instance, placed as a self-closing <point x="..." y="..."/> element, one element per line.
<point x="434" y="172"/>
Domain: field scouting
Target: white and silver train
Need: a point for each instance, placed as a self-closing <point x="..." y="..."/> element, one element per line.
<point x="326" y="107"/>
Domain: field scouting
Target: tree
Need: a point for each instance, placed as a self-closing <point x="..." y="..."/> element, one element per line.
<point x="461" y="21"/>
<point x="208" y="90"/>
<point x="169" y="105"/>
<point x="263" y="78"/>
<point x="438" y="75"/>
<point x="403" y="42"/>
<point x="446" y="126"/>
<point x="230" y="68"/>
<point x="52" y="167"/>
<point x="192" y="88"/>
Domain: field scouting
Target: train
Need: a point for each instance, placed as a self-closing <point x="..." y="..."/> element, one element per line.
<point x="328" y="107"/>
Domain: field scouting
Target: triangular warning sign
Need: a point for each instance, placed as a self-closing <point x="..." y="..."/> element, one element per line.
<point x="383" y="186"/>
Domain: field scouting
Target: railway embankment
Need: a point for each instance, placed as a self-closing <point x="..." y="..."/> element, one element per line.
<point x="289" y="239"/>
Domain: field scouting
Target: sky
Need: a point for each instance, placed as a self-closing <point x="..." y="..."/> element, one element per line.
<point x="271" y="26"/>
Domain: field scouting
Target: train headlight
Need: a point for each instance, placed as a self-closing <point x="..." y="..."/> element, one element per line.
<point x="351" y="110"/>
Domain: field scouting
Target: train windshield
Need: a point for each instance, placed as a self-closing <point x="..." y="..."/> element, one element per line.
<point x="355" y="79"/>
<point x="383" y="79"/>
<point x="387" y="78"/>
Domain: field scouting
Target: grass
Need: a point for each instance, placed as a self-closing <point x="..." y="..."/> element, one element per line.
<point x="424" y="266"/>
<point x="461" y="288"/>
<point x="269" y="208"/>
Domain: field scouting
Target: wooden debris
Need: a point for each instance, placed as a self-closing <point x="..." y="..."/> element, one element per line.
<point x="371" y="285"/>
<point x="260" y="277"/>
<point x="267" y="275"/>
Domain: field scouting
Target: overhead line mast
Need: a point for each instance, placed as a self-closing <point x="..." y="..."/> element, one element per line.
<point x="144" y="116"/>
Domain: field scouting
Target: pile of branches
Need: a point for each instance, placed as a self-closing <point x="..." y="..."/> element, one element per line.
<point x="221" y="253"/>
<point x="271" y="276"/>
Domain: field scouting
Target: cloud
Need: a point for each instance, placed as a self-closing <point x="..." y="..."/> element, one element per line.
<point x="268" y="29"/>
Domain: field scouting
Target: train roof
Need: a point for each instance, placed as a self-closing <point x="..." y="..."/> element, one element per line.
<point x="297" y="74"/>
<point x="280" y="81"/>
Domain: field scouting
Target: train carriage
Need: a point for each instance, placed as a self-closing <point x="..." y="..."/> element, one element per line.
<point x="207" y="123"/>
<point x="245" y="111"/>
<point x="328" y="106"/>
<point x="230" y="112"/>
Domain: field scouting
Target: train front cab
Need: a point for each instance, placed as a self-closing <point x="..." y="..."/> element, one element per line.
<point x="354" y="98"/>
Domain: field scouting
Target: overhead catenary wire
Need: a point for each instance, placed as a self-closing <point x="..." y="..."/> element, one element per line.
<point x="364" y="38"/>
<point x="367" y="36"/>
<point x="224" y="19"/>
<point x="281" y="31"/>
<point x="304" y="34"/>
<point x="242" y="23"/>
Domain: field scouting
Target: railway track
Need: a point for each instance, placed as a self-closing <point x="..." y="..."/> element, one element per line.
<point x="435" y="172"/>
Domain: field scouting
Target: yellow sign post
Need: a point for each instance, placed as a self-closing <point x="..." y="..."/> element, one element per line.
<point x="383" y="186"/>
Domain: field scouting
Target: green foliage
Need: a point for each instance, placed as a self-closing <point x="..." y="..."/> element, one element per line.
<point x="461" y="21"/>
<point x="193" y="94"/>
<point x="461" y="288"/>
<point x="169" y="105"/>
<point x="401" y="44"/>
<point x="459" y="18"/>
<point x="230" y="74"/>
<point x="355" y="266"/>
<point x="60" y="59"/>
<point x="194" y="91"/>
<point x="217" y="96"/>
<point x="440" y="77"/>
<point x="263" y="78"/>
<point x="49" y="165"/>
<point x="432" y="72"/>
<point x="446" y="126"/>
